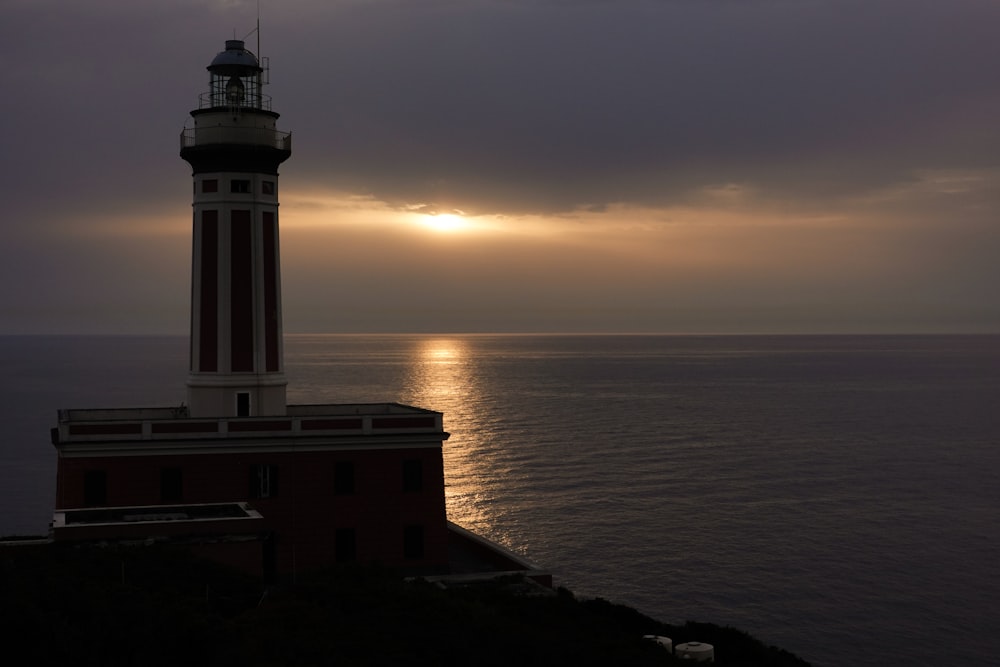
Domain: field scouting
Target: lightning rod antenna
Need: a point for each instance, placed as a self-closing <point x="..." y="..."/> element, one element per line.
<point x="255" y="30"/>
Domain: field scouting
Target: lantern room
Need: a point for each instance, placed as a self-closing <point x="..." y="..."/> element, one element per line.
<point x="236" y="80"/>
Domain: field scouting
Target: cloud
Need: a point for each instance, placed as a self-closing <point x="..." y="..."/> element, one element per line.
<point x="530" y="107"/>
<point x="640" y="161"/>
<point x="511" y="108"/>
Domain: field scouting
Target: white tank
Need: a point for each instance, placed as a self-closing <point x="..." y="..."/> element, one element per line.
<point x="665" y="642"/>
<point x="696" y="651"/>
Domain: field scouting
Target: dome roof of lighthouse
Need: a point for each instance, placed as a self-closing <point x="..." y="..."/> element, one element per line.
<point x="236" y="59"/>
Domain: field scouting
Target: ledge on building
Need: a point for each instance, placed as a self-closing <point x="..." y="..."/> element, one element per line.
<point x="473" y="558"/>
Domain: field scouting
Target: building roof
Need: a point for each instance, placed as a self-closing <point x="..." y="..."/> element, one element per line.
<point x="117" y="431"/>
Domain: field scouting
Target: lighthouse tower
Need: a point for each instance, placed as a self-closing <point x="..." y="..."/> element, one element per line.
<point x="234" y="149"/>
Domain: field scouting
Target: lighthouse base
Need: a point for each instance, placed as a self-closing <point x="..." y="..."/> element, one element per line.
<point x="236" y="395"/>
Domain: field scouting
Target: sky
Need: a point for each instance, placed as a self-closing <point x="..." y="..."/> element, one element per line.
<point x="585" y="166"/>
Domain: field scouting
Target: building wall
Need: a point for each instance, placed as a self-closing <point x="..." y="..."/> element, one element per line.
<point x="323" y="506"/>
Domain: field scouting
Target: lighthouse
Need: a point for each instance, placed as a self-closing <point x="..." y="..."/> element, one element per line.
<point x="236" y="474"/>
<point x="234" y="149"/>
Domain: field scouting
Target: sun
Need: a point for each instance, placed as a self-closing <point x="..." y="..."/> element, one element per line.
<point x="443" y="222"/>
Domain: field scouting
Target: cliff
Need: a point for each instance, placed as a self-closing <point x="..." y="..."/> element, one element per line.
<point x="151" y="606"/>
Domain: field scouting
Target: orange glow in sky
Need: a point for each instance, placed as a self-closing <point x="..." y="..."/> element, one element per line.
<point x="443" y="222"/>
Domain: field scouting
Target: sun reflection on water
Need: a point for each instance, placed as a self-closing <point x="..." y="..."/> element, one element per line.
<point x="443" y="375"/>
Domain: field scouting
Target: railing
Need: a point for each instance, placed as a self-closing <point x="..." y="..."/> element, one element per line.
<point x="218" y="98"/>
<point x="192" y="137"/>
<point x="162" y="424"/>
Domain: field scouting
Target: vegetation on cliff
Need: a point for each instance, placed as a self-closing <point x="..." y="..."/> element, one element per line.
<point x="150" y="606"/>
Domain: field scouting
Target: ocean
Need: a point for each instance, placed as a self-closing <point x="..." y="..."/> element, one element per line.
<point x="838" y="496"/>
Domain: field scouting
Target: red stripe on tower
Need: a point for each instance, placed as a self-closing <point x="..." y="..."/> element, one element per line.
<point x="208" y="311"/>
<point x="272" y="321"/>
<point x="241" y="293"/>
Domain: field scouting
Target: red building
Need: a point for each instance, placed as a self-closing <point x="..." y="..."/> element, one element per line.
<point x="236" y="473"/>
<point x="330" y="483"/>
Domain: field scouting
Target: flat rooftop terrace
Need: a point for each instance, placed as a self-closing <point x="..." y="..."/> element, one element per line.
<point x="201" y="522"/>
<point x="157" y="513"/>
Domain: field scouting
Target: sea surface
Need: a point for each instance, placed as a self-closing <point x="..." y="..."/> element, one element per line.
<point x="838" y="496"/>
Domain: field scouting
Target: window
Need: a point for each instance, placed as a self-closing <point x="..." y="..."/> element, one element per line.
<point x="171" y="485"/>
<point x="239" y="185"/>
<point x="95" y="488"/>
<point x="343" y="478"/>
<point x="345" y="545"/>
<point x="413" y="542"/>
<point x="243" y="404"/>
<point x="210" y="185"/>
<point x="263" y="481"/>
<point x="267" y="187"/>
<point x="413" y="476"/>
